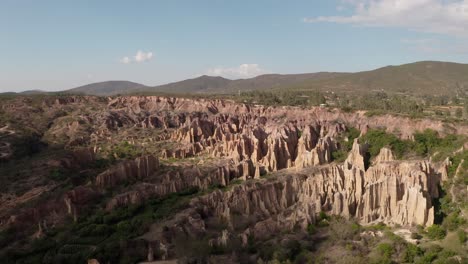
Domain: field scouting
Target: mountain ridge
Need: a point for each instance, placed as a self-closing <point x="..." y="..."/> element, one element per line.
<point x="423" y="78"/>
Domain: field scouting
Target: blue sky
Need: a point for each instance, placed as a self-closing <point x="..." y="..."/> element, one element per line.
<point x="56" y="45"/>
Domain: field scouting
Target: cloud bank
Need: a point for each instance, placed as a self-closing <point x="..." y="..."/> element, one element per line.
<point x="447" y="17"/>
<point x="140" y="56"/>
<point x="243" y="71"/>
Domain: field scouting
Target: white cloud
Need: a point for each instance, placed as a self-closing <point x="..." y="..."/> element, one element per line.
<point x="140" y="56"/>
<point x="241" y="72"/>
<point x="448" y="17"/>
<point x="125" y="60"/>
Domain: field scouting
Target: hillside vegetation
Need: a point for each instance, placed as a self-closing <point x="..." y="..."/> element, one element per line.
<point x="421" y="78"/>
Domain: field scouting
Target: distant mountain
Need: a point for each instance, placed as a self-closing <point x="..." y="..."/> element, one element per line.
<point x="108" y="88"/>
<point x="8" y="94"/>
<point x="271" y="81"/>
<point x="209" y="84"/>
<point x="31" y="92"/>
<point x="28" y="92"/>
<point x="420" y="78"/>
<point x="202" y="84"/>
<point x="197" y="85"/>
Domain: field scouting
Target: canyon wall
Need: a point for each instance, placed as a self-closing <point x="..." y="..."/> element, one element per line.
<point x="283" y="155"/>
<point x="389" y="191"/>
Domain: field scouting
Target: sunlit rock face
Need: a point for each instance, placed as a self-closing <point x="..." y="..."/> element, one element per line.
<point x="292" y="145"/>
<point x="389" y="191"/>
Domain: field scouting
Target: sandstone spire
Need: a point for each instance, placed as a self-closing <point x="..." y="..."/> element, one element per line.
<point x="356" y="156"/>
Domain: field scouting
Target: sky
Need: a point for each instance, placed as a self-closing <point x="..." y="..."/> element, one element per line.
<point x="62" y="44"/>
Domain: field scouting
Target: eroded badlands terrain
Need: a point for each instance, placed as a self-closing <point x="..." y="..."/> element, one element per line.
<point x="139" y="178"/>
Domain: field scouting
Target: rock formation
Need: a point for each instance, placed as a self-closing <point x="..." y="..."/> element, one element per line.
<point x="208" y="144"/>
<point x="392" y="192"/>
<point x="137" y="169"/>
<point x="79" y="198"/>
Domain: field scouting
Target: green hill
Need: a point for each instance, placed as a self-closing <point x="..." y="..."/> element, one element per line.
<point x="420" y="78"/>
<point x="107" y="88"/>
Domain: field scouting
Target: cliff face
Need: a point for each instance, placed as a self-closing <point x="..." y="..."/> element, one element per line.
<point x="390" y="192"/>
<point x="282" y="155"/>
<point x="137" y="169"/>
<point x="269" y="146"/>
<point x="157" y="105"/>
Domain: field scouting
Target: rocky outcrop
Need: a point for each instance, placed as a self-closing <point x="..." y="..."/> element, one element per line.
<point x="54" y="211"/>
<point x="393" y="192"/>
<point x="385" y="155"/>
<point x="405" y="126"/>
<point x="76" y="159"/>
<point x="137" y="169"/>
<point x="389" y="191"/>
<point x="356" y="157"/>
<point x="6" y="151"/>
<point x="79" y="198"/>
<point x="181" y="179"/>
<point x="312" y="156"/>
<point x="237" y="141"/>
<point x="269" y="147"/>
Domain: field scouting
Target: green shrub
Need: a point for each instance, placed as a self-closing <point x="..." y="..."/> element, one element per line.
<point x="355" y="227"/>
<point x="393" y="237"/>
<point x="341" y="229"/>
<point x="102" y="235"/>
<point x="425" y="141"/>
<point x="339" y="155"/>
<point x="57" y="175"/>
<point x="96" y="230"/>
<point x="461" y="234"/>
<point x="411" y="252"/>
<point x="311" y="229"/>
<point x="436" y="232"/>
<point x="385" y="249"/>
<point x="381" y="103"/>
<point x="453" y="221"/>
<point x="125" y="150"/>
<point x="6" y="236"/>
<point x="287" y="97"/>
<point x="323" y="216"/>
<point x="292" y="249"/>
<point x="427" y="258"/>
<point x="429" y="142"/>
<point x="377" y="139"/>
<point x="267" y="250"/>
<point x="251" y="248"/>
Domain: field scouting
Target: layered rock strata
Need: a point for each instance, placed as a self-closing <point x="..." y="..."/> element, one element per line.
<point x="137" y="169"/>
<point x="392" y="192"/>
